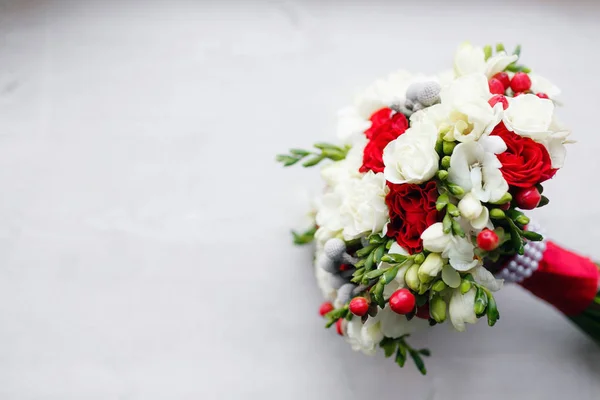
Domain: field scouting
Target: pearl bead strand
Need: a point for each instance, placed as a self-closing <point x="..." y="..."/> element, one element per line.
<point x="521" y="267"/>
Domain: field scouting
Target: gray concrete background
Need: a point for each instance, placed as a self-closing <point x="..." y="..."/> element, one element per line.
<point x="144" y="246"/>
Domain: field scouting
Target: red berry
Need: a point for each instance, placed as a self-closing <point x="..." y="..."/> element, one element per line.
<point x="528" y="198"/>
<point x="487" y="240"/>
<point x="338" y="327"/>
<point x="496" y="87"/>
<point x="503" y="78"/>
<point x="344" y="267"/>
<point x="520" y="82"/>
<point x="542" y="95"/>
<point x="423" y="311"/>
<point x="359" y="306"/>
<point x="402" y="301"/>
<point x="325" y="308"/>
<point x="498" y="98"/>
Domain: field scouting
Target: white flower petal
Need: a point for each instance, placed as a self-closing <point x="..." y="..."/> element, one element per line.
<point x="434" y="238"/>
<point x="461" y="309"/>
<point x="450" y="276"/>
<point x="484" y="277"/>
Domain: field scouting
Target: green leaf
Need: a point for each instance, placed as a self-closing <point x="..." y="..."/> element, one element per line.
<point x="334" y="154"/>
<point x="311" y="162"/>
<point x="324" y="146"/>
<point x="287" y="160"/>
<point x="487" y="51"/>
<point x="517" y="51"/>
<point x="304" y="237"/>
<point x="378" y="294"/>
<point x="544" y="201"/>
<point x="401" y="355"/>
<point x="300" y="152"/>
<point x="389" y="346"/>
<point x="425" y="352"/>
<point x="418" y="361"/>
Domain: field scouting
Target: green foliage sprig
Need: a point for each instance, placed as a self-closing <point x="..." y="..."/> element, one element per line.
<point x="402" y="350"/>
<point x="325" y="151"/>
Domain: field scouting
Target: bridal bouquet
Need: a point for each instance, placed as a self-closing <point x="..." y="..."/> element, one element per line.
<point x="424" y="210"/>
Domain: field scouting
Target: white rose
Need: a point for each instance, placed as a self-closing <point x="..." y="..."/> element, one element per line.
<point x="411" y="158"/>
<point x="529" y="116"/>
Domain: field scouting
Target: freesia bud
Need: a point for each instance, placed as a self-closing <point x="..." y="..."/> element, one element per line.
<point x="497" y="213"/>
<point x="412" y="278"/>
<point x="470" y="207"/>
<point x="434" y="238"/>
<point x="437" y="309"/>
<point x="431" y="267"/>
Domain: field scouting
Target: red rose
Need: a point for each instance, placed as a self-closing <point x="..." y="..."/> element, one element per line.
<point x="525" y="162"/>
<point x="412" y="210"/>
<point x="386" y="126"/>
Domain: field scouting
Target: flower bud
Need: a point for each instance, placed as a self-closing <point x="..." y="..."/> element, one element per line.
<point x="438" y="286"/>
<point x="431" y="267"/>
<point x="412" y="277"/>
<point x="437" y="309"/>
<point x="470" y="207"/>
<point x="419" y="258"/>
<point x="504" y="199"/>
<point x="465" y="286"/>
<point x="496" y="213"/>
<point x="456" y="190"/>
<point x="448" y="147"/>
<point x="446" y="161"/>
<point x="522" y="219"/>
<point x="442" y="174"/>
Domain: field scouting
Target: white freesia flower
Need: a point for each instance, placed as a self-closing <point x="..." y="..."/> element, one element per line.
<point x="529" y="116"/>
<point x="459" y="251"/>
<point x="461" y="309"/>
<point x="555" y="144"/>
<point x="411" y="158"/>
<point x="539" y="84"/>
<point x="470" y="59"/>
<point x="468" y="114"/>
<point x="471" y="209"/>
<point x="348" y="168"/>
<point x="475" y="167"/>
<point x="364" y="337"/>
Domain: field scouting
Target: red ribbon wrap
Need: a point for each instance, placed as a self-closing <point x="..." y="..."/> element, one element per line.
<point x="564" y="279"/>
